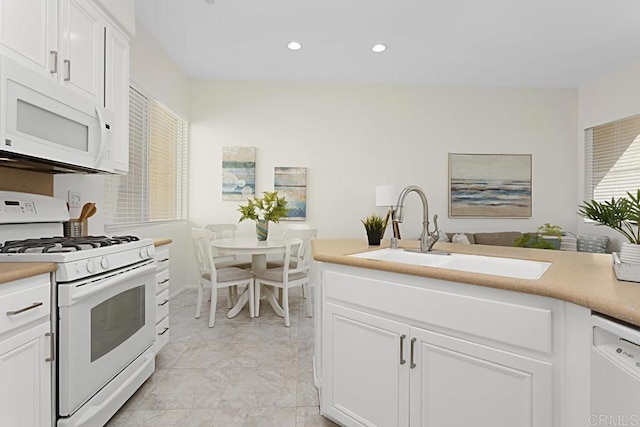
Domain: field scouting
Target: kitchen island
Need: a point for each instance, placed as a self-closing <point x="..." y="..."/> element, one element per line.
<point x="400" y="344"/>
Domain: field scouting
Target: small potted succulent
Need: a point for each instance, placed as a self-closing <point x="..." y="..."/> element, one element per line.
<point x="621" y="214"/>
<point x="374" y="226"/>
<point x="264" y="209"/>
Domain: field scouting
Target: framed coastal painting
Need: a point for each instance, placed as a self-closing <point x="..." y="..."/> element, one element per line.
<point x="490" y="185"/>
<point x="238" y="173"/>
<point x="292" y="184"/>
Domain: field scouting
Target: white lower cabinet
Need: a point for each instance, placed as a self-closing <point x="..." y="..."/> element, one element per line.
<point x="383" y="368"/>
<point x="26" y="353"/>
<point x="162" y="298"/>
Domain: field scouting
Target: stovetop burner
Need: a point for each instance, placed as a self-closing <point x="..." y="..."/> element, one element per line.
<point x="62" y="244"/>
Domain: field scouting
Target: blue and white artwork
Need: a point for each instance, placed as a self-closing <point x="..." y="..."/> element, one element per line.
<point x="292" y="184"/>
<point x="238" y="173"/>
<point x="490" y="185"/>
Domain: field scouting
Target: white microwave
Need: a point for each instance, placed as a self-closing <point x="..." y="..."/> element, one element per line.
<point x="46" y="126"/>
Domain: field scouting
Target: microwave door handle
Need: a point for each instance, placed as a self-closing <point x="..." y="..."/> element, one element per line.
<point x="103" y="137"/>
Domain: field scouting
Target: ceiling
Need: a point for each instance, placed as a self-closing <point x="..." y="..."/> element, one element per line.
<point x="532" y="43"/>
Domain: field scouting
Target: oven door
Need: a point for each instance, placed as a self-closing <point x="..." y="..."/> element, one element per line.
<point x="105" y="323"/>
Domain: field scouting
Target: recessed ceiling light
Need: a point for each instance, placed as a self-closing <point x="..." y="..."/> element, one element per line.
<point x="294" y="45"/>
<point x="377" y="48"/>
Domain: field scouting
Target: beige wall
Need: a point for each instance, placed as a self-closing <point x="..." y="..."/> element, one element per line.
<point x="352" y="137"/>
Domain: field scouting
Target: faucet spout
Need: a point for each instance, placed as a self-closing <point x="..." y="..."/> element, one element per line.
<point x="427" y="239"/>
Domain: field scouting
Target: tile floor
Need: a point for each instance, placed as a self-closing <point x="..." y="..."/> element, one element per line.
<point x="242" y="372"/>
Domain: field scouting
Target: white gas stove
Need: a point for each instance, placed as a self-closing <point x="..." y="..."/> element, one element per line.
<point x="103" y="305"/>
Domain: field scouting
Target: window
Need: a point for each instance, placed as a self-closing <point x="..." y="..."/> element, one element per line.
<point x="156" y="187"/>
<point x="612" y="159"/>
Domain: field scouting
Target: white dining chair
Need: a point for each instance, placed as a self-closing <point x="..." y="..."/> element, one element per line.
<point x="217" y="278"/>
<point x="293" y="272"/>
<point x="222" y="260"/>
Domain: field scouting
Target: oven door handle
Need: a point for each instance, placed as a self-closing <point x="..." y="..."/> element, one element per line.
<point x="102" y="285"/>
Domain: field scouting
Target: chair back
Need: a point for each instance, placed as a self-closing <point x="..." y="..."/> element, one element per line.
<point x="204" y="252"/>
<point x="222" y="230"/>
<point x="302" y="238"/>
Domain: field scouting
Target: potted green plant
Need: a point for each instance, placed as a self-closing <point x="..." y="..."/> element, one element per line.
<point x="533" y="240"/>
<point x="551" y="233"/>
<point x="374" y="225"/>
<point x="262" y="210"/>
<point x="622" y="215"/>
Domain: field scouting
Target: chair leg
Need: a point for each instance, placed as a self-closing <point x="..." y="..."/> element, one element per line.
<point x="230" y="297"/>
<point x="309" y="308"/>
<point x="199" y="301"/>
<point x="256" y="309"/>
<point x="285" y="306"/>
<point x="252" y="299"/>
<point x="212" y="307"/>
<point x="303" y="291"/>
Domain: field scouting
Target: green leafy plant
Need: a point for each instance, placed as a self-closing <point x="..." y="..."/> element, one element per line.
<point x="270" y="207"/>
<point x="374" y="224"/>
<point x="533" y="240"/>
<point x="622" y="214"/>
<point x="550" y="230"/>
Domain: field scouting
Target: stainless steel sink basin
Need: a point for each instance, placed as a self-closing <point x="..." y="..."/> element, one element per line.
<point x="507" y="267"/>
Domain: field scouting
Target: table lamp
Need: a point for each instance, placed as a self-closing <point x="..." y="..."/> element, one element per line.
<point x="387" y="195"/>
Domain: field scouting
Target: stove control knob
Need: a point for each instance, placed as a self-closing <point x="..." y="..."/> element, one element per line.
<point x="91" y="266"/>
<point x="144" y="253"/>
<point x="104" y="262"/>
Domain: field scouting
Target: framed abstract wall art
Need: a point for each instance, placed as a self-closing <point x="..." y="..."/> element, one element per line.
<point x="490" y="185"/>
<point x="292" y="184"/>
<point x="238" y="172"/>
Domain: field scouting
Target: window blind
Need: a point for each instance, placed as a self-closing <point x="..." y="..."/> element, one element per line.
<point x="155" y="188"/>
<point x="612" y="159"/>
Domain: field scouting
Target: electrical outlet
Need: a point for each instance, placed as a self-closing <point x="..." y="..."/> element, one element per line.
<point x="74" y="199"/>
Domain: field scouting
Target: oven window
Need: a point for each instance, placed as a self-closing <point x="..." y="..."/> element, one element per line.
<point x="115" y="320"/>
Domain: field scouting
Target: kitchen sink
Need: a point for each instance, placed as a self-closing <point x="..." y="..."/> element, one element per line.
<point x="507" y="267"/>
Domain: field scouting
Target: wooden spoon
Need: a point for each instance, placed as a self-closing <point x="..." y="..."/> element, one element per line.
<point x="91" y="212"/>
<point x="85" y="210"/>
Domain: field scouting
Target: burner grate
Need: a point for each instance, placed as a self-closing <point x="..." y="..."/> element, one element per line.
<point x="62" y="244"/>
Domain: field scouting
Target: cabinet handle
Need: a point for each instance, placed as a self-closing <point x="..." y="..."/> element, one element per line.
<point x="164" y="260"/>
<point x="53" y="348"/>
<point x="164" y="281"/>
<point x="413" y="341"/>
<point x="67" y="68"/>
<point x="163" y="332"/>
<point x="22" y="310"/>
<point x="54" y="59"/>
<point x="402" y="337"/>
<point x="165" y="301"/>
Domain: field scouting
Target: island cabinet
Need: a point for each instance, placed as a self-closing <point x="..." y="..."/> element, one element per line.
<point x="26" y="352"/>
<point x="399" y="350"/>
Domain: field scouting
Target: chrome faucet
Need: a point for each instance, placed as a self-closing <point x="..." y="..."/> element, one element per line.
<point x="427" y="238"/>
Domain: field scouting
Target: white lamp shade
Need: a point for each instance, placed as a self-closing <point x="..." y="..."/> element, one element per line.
<point x="387" y="195"/>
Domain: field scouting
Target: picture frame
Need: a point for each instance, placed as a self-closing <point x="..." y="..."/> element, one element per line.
<point x="490" y="185"/>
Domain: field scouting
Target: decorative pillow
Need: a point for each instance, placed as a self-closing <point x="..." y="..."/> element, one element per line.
<point x="597" y="244"/>
<point x="460" y="238"/>
<point x="443" y="237"/>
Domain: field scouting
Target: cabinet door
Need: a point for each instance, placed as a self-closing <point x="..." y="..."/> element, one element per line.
<point x="82" y="49"/>
<point x="365" y="382"/>
<point x="117" y="96"/>
<point x="25" y="378"/>
<point x="459" y="383"/>
<point x="28" y="32"/>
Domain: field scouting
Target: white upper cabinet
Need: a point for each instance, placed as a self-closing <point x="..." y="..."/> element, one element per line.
<point x="116" y="91"/>
<point x="82" y="37"/>
<point x="29" y="33"/>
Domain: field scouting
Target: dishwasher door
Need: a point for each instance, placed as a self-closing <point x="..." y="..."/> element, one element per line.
<point x="615" y="374"/>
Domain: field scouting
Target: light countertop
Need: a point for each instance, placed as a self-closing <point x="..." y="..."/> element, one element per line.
<point x="10" y="271"/>
<point x="161" y="242"/>
<point x="581" y="278"/>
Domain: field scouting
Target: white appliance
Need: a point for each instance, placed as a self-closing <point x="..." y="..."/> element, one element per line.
<point x="615" y="373"/>
<point x="103" y="302"/>
<point x="47" y="126"/>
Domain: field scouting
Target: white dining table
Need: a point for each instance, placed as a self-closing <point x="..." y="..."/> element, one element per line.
<point x="258" y="251"/>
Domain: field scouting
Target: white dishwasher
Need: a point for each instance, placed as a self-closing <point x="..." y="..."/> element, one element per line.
<point x="615" y="373"/>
